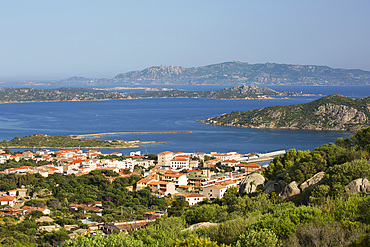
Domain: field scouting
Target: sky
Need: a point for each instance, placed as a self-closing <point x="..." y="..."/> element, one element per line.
<point x="51" y="40"/>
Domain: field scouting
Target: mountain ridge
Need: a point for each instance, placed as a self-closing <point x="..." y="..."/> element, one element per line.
<point x="232" y="73"/>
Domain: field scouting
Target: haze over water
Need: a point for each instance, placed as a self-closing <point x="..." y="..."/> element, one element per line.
<point x="162" y="115"/>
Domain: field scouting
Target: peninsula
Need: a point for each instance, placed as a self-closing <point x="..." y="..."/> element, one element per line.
<point x="333" y="112"/>
<point x="19" y="95"/>
<point x="67" y="141"/>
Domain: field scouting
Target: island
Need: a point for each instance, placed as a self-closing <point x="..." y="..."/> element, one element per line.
<point x="226" y="73"/>
<point x="333" y="112"/>
<point x="20" y="95"/>
<point x="236" y="93"/>
<point x="67" y="141"/>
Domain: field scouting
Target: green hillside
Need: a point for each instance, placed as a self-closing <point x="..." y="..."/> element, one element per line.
<point x="333" y="112"/>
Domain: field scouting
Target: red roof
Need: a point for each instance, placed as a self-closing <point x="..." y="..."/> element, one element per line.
<point x="249" y="165"/>
<point x="7" y="198"/>
<point x="194" y="195"/>
<point x="165" y="152"/>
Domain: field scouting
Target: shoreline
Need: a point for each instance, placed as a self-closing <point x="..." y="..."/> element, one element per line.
<point x="133" y="98"/>
<point x="131" y="133"/>
<point x="136" y="145"/>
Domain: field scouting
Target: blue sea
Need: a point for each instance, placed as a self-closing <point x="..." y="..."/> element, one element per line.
<point x="177" y="115"/>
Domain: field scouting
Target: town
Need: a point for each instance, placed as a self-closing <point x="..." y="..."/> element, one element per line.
<point x="192" y="177"/>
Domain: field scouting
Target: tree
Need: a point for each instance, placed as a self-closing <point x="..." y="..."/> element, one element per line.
<point x="257" y="238"/>
<point x="178" y="207"/>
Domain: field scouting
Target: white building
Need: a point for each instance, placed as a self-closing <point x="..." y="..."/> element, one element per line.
<point x="193" y="198"/>
<point x="164" y="158"/>
<point x="180" y="162"/>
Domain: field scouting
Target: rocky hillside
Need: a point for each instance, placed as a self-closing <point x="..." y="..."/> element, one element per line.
<point x="237" y="92"/>
<point x="333" y="112"/>
<point x="238" y="73"/>
<point x="60" y="94"/>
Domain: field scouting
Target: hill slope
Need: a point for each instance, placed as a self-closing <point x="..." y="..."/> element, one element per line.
<point x="237" y="92"/>
<point x="333" y="112"/>
<point x="86" y="94"/>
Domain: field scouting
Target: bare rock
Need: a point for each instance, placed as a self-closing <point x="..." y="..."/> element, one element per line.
<point x="312" y="181"/>
<point x="250" y="182"/>
<point x="274" y="186"/>
<point x="358" y="185"/>
<point x="290" y="190"/>
<point x="200" y="225"/>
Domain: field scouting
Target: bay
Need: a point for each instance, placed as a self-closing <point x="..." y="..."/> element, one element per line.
<point x="162" y="115"/>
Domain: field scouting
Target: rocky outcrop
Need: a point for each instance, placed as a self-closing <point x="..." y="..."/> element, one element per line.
<point x="250" y="182"/>
<point x="340" y="114"/>
<point x="274" y="186"/>
<point x="358" y="185"/>
<point x="312" y="181"/>
<point x="200" y="226"/>
<point x="290" y="190"/>
<point x="332" y="112"/>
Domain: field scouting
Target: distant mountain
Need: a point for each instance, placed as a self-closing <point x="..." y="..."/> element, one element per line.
<point x="237" y="73"/>
<point x="228" y="73"/>
<point x="333" y="112"/>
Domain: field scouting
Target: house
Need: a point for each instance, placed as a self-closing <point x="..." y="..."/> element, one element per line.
<point x="135" y="153"/>
<point x="143" y="183"/>
<point x="22" y="192"/>
<point x="193" y="198"/>
<point x="144" y="163"/>
<point x="10" y="211"/>
<point x="12" y="193"/>
<point x="230" y="163"/>
<point x="91" y="154"/>
<point x="194" y="163"/>
<point x="226" y="156"/>
<point x="126" y="227"/>
<point x="4" y="157"/>
<point x="164" y="158"/>
<point x="228" y="183"/>
<point x="215" y="191"/>
<point x="7" y="200"/>
<point x="74" y="207"/>
<point x="199" y="155"/>
<point x="154" y="215"/>
<point x="116" y="154"/>
<point x="195" y="179"/>
<point x="162" y="188"/>
<point x="247" y="168"/>
<point x="29" y="210"/>
<point x="210" y="163"/>
<point x="177" y="179"/>
<point x="180" y="162"/>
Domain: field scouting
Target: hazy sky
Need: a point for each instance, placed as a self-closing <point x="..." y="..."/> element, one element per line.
<point x="58" y="39"/>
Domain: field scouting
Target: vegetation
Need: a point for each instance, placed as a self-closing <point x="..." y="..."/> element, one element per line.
<point x="333" y="112"/>
<point x="61" y="94"/>
<point x="66" y="141"/>
<point x="325" y="215"/>
<point x="237" y="92"/>
<point x="82" y="94"/>
<point x="333" y="218"/>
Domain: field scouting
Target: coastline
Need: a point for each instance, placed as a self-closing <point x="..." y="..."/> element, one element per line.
<point x="130" y="133"/>
<point x="133" y="98"/>
<point x="282" y="128"/>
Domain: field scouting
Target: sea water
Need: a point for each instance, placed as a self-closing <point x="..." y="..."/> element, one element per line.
<point x="169" y="115"/>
